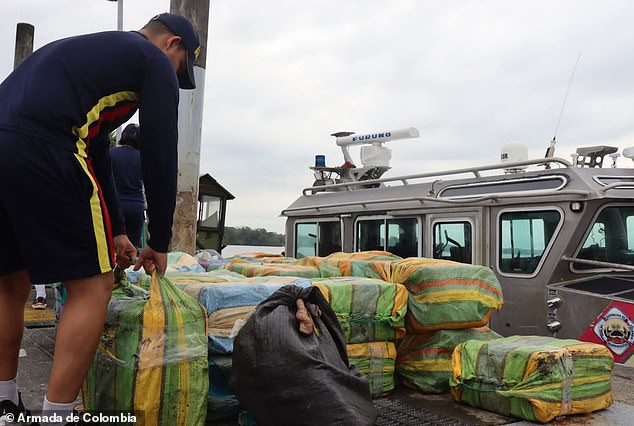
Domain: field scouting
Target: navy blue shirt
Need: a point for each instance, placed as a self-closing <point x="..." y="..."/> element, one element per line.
<point x="126" y="169"/>
<point x="73" y="92"/>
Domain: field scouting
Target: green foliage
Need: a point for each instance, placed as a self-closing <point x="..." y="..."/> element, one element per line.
<point x="243" y="235"/>
<point x="113" y="138"/>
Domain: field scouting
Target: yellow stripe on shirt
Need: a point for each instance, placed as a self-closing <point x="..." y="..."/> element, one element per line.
<point x="93" y="115"/>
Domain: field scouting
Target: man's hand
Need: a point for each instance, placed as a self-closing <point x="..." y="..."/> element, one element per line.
<point x="125" y="252"/>
<point x="151" y="260"/>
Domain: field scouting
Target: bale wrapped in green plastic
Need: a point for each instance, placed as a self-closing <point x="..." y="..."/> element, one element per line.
<point x="376" y="361"/>
<point x="424" y="360"/>
<point x="445" y="294"/>
<point x="249" y="269"/>
<point x="368" y="310"/>
<point x="369" y="264"/>
<point x="182" y="279"/>
<point x="152" y="357"/>
<point x="261" y="257"/>
<point x="533" y="378"/>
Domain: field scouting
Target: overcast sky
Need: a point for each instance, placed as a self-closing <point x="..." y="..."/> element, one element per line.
<point x="282" y="75"/>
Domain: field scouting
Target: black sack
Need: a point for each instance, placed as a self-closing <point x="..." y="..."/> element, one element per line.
<point x="284" y="377"/>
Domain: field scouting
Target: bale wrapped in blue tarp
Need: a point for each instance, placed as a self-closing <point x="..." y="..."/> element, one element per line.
<point x="287" y="375"/>
<point x="229" y="304"/>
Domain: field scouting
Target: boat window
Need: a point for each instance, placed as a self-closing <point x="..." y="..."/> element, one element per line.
<point x="398" y="236"/>
<point x="452" y="241"/>
<point x="402" y="237"/>
<point x="317" y="238"/>
<point x="371" y="235"/>
<point x="611" y="238"/>
<point x="329" y="238"/>
<point x="524" y="237"/>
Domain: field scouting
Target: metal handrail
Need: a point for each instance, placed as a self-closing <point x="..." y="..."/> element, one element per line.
<point x="616" y="185"/>
<point x="404" y="179"/>
<point x="598" y="263"/>
<point x="423" y="199"/>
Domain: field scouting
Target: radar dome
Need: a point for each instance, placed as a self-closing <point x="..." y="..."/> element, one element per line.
<point x="629" y="153"/>
<point x="513" y="152"/>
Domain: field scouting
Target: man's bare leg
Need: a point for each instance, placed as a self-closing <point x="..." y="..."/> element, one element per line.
<point x="14" y="291"/>
<point x="80" y="326"/>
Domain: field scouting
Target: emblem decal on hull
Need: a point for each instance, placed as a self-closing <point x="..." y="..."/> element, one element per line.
<point x="614" y="328"/>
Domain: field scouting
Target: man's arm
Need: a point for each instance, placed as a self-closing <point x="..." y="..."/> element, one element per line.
<point x="158" y="119"/>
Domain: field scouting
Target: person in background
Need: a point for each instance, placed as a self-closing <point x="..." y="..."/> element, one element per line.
<point x="57" y="193"/>
<point x="40" y="297"/>
<point x="128" y="179"/>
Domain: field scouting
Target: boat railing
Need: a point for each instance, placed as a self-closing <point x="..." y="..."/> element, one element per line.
<point x="406" y="179"/>
<point x="616" y="185"/>
<point x="618" y="266"/>
<point x="423" y="199"/>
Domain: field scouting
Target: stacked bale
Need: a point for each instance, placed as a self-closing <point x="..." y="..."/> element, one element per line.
<point x="442" y="296"/>
<point x="533" y="378"/>
<point x="449" y="303"/>
<point x="369" y="264"/>
<point x="229" y="304"/>
<point x="371" y="313"/>
<point x="259" y="257"/>
<point x="153" y="347"/>
<point x="251" y="269"/>
<point x="229" y="298"/>
<point x="424" y="359"/>
<point x="182" y="279"/>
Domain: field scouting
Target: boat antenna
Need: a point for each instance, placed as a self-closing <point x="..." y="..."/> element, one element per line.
<point x="550" y="151"/>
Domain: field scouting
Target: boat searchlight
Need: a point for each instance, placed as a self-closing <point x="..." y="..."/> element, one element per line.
<point x="374" y="154"/>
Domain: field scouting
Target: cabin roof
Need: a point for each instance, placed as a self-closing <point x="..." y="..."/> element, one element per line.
<point x="210" y="186"/>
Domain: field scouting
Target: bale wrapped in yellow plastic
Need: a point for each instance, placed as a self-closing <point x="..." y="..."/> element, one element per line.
<point x="368" y="309"/>
<point x="424" y="359"/>
<point x="376" y="361"/>
<point x="249" y="269"/>
<point x="445" y="294"/>
<point x="152" y="357"/>
<point x="182" y="279"/>
<point x="533" y="378"/>
<point x="260" y="257"/>
<point x="369" y="264"/>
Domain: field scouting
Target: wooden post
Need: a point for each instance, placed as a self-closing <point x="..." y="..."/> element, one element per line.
<point x="190" y="112"/>
<point x="24" y="35"/>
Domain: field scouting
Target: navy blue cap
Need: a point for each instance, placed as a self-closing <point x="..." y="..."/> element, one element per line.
<point x="182" y="27"/>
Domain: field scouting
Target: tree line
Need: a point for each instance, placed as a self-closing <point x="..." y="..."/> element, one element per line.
<point x="245" y="236"/>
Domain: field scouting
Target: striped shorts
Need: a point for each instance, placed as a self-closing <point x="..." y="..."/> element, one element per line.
<point x="53" y="220"/>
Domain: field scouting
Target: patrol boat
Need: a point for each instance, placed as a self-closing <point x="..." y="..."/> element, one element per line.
<point x="558" y="233"/>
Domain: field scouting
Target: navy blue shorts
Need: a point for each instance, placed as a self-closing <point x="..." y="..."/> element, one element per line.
<point x="134" y="216"/>
<point x="53" y="220"/>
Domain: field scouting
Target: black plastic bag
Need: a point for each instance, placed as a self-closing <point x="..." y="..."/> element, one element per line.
<point x="285" y="377"/>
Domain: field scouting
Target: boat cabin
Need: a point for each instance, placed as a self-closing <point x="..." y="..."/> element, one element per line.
<point x="559" y="234"/>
